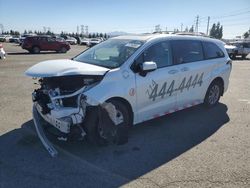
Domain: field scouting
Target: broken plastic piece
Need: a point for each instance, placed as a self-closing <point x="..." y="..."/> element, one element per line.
<point x="47" y="144"/>
<point x="110" y="108"/>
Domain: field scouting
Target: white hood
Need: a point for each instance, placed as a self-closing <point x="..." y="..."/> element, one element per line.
<point x="64" y="67"/>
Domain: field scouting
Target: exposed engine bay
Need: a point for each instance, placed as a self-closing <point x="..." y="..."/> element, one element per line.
<point x="64" y="91"/>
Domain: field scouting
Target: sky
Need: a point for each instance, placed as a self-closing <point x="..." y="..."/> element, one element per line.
<point x="132" y="16"/>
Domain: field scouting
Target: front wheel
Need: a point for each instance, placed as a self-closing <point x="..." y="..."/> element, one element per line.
<point x="101" y="129"/>
<point x="213" y="94"/>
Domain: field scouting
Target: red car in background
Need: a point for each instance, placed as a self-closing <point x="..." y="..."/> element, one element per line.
<point x="35" y="44"/>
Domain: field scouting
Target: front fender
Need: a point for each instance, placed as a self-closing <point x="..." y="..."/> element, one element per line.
<point x="116" y="83"/>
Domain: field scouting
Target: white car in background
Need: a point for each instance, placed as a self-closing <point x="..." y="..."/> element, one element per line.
<point x="2" y="52"/>
<point x="84" y="41"/>
<point x="5" y="38"/>
<point x="239" y="48"/>
<point x="71" y="40"/>
<point x="93" y="42"/>
<point x="124" y="81"/>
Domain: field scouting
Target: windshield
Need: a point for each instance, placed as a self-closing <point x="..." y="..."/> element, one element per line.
<point x="111" y="53"/>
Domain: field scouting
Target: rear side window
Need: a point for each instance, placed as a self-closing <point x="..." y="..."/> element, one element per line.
<point x="186" y="51"/>
<point x="43" y="39"/>
<point x="212" y="51"/>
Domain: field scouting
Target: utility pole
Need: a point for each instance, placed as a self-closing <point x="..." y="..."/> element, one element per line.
<point x="197" y="24"/>
<point x="208" y="19"/>
<point x="181" y="26"/>
<point x="77" y="29"/>
<point x="82" y="29"/>
<point x="1" y="28"/>
<point x="86" y="30"/>
<point x="157" y="28"/>
<point x="44" y="29"/>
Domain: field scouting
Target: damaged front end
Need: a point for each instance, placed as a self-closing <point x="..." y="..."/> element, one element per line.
<point x="61" y="102"/>
<point x="63" y="107"/>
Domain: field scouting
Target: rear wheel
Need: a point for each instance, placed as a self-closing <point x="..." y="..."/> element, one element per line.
<point x="243" y="56"/>
<point x="232" y="56"/>
<point x="63" y="50"/>
<point x="36" y="50"/>
<point x="213" y="94"/>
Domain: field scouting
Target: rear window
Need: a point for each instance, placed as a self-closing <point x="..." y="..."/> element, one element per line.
<point x="212" y="51"/>
<point x="186" y="51"/>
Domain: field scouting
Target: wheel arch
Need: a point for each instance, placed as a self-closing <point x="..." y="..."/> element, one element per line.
<point x="221" y="81"/>
<point x="127" y="104"/>
<point x="35" y="45"/>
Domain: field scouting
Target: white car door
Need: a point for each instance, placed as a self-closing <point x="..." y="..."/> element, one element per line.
<point x="195" y="69"/>
<point x="155" y="90"/>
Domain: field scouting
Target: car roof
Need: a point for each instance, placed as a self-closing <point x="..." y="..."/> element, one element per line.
<point x="147" y="37"/>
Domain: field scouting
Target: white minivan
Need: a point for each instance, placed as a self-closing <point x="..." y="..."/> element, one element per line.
<point x="126" y="80"/>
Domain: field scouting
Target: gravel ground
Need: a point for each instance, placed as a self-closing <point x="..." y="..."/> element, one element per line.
<point x="195" y="147"/>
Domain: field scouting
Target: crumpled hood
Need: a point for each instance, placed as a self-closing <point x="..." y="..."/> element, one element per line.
<point x="64" y="67"/>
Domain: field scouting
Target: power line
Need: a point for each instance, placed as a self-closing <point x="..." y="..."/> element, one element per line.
<point x="235" y="19"/>
<point x="235" y="11"/>
<point x="230" y="15"/>
<point x="228" y="25"/>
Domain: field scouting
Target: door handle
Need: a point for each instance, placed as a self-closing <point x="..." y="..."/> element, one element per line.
<point x="172" y="71"/>
<point x="184" y="69"/>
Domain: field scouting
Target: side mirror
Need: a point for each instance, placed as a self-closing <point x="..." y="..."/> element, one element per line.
<point x="146" y="67"/>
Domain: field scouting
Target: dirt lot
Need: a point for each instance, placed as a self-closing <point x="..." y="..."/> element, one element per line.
<point x="191" y="148"/>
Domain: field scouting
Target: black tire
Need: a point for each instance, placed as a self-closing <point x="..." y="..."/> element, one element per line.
<point x="213" y="94"/>
<point x="36" y="50"/>
<point x="232" y="56"/>
<point x="92" y="128"/>
<point x="63" y="50"/>
<point x="123" y="128"/>
<point x="244" y="56"/>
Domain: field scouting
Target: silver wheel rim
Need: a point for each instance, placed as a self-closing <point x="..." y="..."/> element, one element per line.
<point x="214" y="94"/>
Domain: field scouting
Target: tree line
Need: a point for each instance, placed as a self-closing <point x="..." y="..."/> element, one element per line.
<point x="89" y="35"/>
<point x="11" y="32"/>
<point x="246" y="34"/>
<point x="216" y="31"/>
<point x="62" y="34"/>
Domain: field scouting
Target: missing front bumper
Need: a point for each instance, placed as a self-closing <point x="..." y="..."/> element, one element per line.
<point x="41" y="134"/>
<point x="60" y="124"/>
<point x="106" y="112"/>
